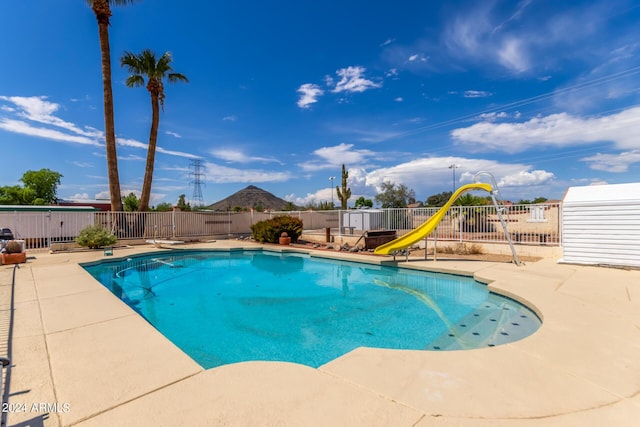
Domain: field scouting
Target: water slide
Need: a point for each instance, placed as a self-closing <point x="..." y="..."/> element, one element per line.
<point x="417" y="234"/>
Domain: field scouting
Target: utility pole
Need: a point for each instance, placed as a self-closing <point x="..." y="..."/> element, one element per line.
<point x="331" y="178"/>
<point x="197" y="200"/>
<point x="453" y="168"/>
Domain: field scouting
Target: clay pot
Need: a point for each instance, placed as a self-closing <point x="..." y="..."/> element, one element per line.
<point x="285" y="239"/>
<point x="18" y="258"/>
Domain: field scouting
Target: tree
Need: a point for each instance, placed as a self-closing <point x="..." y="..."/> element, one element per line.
<point x="534" y="201"/>
<point x="163" y="207"/>
<point x="43" y="183"/>
<point x="393" y="196"/>
<point x="155" y="70"/>
<point x="345" y="193"/>
<point x="102" y="10"/>
<point x="290" y="206"/>
<point x="16" y="195"/>
<point x="438" y="200"/>
<point x="182" y="203"/>
<point x="363" y="203"/>
<point x="130" y="202"/>
<point x="471" y="200"/>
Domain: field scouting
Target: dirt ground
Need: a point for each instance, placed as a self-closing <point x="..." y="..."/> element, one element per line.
<point x="441" y="255"/>
<point x="476" y="257"/>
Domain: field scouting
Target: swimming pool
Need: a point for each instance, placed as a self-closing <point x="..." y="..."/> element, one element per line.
<point x="224" y="307"/>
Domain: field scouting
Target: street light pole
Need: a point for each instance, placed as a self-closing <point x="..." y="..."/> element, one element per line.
<point x="453" y="168"/>
<point x="331" y="178"/>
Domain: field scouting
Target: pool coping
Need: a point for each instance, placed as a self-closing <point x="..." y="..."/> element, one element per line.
<point x="75" y="343"/>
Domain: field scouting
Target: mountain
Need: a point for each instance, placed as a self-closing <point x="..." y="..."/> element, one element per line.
<point x="251" y="197"/>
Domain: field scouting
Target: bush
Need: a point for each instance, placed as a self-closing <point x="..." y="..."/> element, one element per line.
<point x="13" y="247"/>
<point x="95" y="237"/>
<point x="463" y="249"/>
<point x="269" y="231"/>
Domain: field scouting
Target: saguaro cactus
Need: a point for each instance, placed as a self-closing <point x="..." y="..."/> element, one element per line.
<point x="345" y="193"/>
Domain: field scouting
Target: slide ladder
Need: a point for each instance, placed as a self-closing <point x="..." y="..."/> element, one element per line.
<point x="500" y="210"/>
<point x="430" y="225"/>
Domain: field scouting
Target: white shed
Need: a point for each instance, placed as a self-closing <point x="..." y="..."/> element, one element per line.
<point x="601" y="225"/>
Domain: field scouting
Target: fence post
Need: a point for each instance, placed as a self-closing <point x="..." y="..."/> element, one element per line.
<point x="460" y="223"/>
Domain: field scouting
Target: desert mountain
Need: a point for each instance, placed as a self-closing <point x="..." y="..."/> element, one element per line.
<point x="251" y="197"/>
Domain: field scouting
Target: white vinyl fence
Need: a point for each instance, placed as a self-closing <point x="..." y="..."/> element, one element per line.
<point x="528" y="224"/>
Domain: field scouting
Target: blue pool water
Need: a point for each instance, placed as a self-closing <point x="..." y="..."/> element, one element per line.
<point x="234" y="306"/>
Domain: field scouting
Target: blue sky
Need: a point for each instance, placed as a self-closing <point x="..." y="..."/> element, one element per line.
<point x="543" y="94"/>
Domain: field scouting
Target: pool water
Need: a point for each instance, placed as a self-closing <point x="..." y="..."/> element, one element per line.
<point x="234" y="306"/>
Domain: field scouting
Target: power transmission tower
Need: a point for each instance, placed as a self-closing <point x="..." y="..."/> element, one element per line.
<point x="197" y="175"/>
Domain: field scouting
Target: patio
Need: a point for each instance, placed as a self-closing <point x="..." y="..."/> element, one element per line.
<point x="92" y="361"/>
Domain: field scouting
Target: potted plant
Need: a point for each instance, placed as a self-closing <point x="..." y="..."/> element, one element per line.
<point x="13" y="253"/>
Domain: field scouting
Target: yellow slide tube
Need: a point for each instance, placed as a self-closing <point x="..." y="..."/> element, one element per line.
<point x="417" y="234"/>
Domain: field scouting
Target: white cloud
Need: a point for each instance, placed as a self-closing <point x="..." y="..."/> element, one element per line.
<point x="476" y="94"/>
<point x="238" y="156"/>
<point x="352" y="80"/>
<point x="426" y="175"/>
<point x="82" y="164"/>
<point x="223" y="174"/>
<point x="38" y="109"/>
<point x="174" y="134"/>
<point x="512" y="55"/>
<point x="335" y="156"/>
<point x="127" y="142"/>
<point x="526" y="178"/>
<point x="417" y="57"/>
<point x="490" y="117"/>
<point x="399" y="99"/>
<point x="613" y="162"/>
<point x="557" y="130"/>
<point x="24" y="128"/>
<point x="387" y="42"/>
<point x="231" y="118"/>
<point x="309" y="94"/>
<point x="80" y="196"/>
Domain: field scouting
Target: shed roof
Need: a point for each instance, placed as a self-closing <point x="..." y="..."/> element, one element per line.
<point x="609" y="193"/>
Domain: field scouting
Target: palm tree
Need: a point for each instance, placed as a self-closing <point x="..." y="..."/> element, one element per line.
<point x="146" y="64"/>
<point x="102" y="10"/>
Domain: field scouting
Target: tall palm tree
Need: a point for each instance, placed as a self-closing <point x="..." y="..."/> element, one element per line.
<point x="156" y="70"/>
<point x="102" y="10"/>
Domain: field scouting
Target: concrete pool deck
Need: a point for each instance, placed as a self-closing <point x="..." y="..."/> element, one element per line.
<point x="82" y="357"/>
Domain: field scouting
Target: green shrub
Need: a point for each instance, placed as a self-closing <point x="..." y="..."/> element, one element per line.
<point x="95" y="236"/>
<point x="269" y="231"/>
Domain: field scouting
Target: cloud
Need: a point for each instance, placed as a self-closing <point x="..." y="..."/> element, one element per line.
<point x="555" y="130"/>
<point x="223" y="175"/>
<point x="476" y="94"/>
<point x="128" y="142"/>
<point x="417" y="57"/>
<point x="24" y="128"/>
<point x="238" y="156"/>
<point x="617" y="163"/>
<point x="387" y="42"/>
<point x="309" y="94"/>
<point x="352" y="80"/>
<point x="174" y="134"/>
<point x="82" y="164"/>
<point x="79" y="196"/>
<point x="431" y="175"/>
<point x="393" y="73"/>
<point x="399" y="99"/>
<point x="512" y="55"/>
<point x="230" y="118"/>
<point x="333" y="157"/>
<point x="38" y="109"/>
<point x="526" y="178"/>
